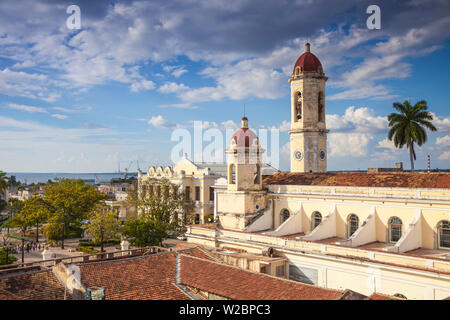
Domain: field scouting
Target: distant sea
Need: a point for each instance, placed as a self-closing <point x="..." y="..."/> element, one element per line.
<point x="27" y="177"/>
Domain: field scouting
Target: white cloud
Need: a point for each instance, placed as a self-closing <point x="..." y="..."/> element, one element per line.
<point x="444" y="141"/>
<point x="29" y="85"/>
<point x="176" y="71"/>
<point x="348" y="144"/>
<point x="354" y="119"/>
<point x="173" y="87"/>
<point x="59" y="116"/>
<point x="442" y="123"/>
<point x="387" y="144"/>
<point x="77" y="109"/>
<point x="160" y="122"/>
<point x="230" y="125"/>
<point x="24" y="64"/>
<point x="26" y="108"/>
<point x="142" y="85"/>
<point x="285" y="126"/>
<point x="445" y="156"/>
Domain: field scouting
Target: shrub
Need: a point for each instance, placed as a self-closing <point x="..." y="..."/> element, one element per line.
<point x="90" y="243"/>
<point x="3" y="261"/>
<point x="53" y="231"/>
<point x="87" y="249"/>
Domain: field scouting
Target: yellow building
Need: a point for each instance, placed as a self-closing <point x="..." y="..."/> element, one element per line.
<point x="370" y="232"/>
<point x="197" y="180"/>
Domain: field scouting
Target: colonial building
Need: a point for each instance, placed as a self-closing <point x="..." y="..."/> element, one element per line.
<point x="371" y="232"/>
<point x="197" y="181"/>
<point x="117" y="198"/>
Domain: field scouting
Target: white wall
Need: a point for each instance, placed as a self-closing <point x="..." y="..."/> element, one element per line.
<point x="326" y="229"/>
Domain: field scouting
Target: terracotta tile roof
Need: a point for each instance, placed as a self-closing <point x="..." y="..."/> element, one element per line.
<point x="379" y="296"/>
<point x="6" y="295"/>
<point x="38" y="285"/>
<point x="363" y="179"/>
<point x="199" y="253"/>
<point x="239" y="284"/>
<point x="149" y="277"/>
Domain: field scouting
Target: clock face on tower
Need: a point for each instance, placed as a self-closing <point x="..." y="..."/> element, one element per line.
<point x="298" y="155"/>
<point x="322" y="155"/>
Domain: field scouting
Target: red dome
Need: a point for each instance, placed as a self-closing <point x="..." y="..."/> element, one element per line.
<point x="244" y="137"/>
<point x="307" y="61"/>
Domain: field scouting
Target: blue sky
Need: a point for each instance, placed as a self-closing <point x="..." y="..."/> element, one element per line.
<point x="112" y="92"/>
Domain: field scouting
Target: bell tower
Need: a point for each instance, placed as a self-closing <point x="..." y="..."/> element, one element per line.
<point x="308" y="130"/>
<point x="244" y="198"/>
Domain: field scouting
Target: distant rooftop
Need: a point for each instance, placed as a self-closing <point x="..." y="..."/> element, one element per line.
<point x="220" y="169"/>
<point x="363" y="179"/>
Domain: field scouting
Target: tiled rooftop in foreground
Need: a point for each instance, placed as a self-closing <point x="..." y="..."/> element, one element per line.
<point x="237" y="284"/>
<point x="32" y="285"/>
<point x="192" y="273"/>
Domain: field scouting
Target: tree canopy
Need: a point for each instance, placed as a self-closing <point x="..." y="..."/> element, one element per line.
<point x="162" y="210"/>
<point x="103" y="224"/>
<point x="70" y="201"/>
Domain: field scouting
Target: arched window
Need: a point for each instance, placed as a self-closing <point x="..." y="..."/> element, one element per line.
<point x="395" y="229"/>
<point x="353" y="224"/>
<point x="231" y="174"/>
<point x="284" y="215"/>
<point x="320" y="111"/>
<point x="257" y="174"/>
<point x="444" y="234"/>
<point x="316" y="219"/>
<point x="298" y="105"/>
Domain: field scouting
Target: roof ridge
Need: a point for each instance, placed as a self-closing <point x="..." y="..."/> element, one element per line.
<point x="209" y="254"/>
<point x="262" y="274"/>
<point x="115" y="259"/>
<point x="19" y="273"/>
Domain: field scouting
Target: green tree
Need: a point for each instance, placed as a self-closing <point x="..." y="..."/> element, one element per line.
<point x="22" y="222"/>
<point x="71" y="201"/>
<point x="37" y="210"/>
<point x="14" y="206"/>
<point x="141" y="232"/>
<point x="3" y="182"/>
<point x="408" y="126"/>
<point x="3" y="205"/>
<point x="162" y="210"/>
<point x="103" y="224"/>
<point x="5" y="258"/>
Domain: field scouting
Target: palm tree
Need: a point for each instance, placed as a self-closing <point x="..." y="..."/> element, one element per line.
<point x="408" y="126"/>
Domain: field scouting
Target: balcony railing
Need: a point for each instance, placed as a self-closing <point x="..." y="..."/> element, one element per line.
<point x="82" y="258"/>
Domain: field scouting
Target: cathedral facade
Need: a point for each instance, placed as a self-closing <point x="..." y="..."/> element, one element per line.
<point x="386" y="233"/>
